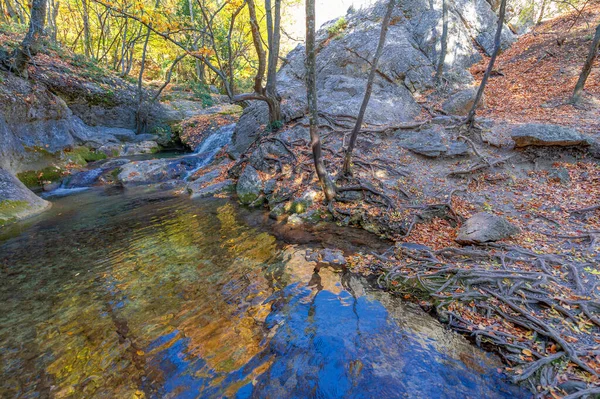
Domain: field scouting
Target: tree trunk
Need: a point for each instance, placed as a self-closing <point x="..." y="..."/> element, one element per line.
<point x="260" y="51"/>
<point x="30" y="45"/>
<point x="87" y="44"/>
<point x="267" y="94"/>
<point x="497" y="40"/>
<point x="440" y="67"/>
<point x="542" y="12"/>
<point x="587" y="67"/>
<point x="274" y="42"/>
<point x="141" y="119"/>
<point x="329" y="188"/>
<point x="363" y="108"/>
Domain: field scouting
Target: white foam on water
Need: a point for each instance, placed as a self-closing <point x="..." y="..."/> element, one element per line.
<point x="211" y="146"/>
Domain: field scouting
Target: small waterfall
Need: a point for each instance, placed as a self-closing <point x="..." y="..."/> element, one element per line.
<point x="209" y="148"/>
<point x="76" y="183"/>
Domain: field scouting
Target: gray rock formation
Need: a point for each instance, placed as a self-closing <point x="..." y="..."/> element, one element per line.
<point x="406" y="67"/>
<point x="537" y="134"/>
<point x="430" y="143"/>
<point x="484" y="227"/>
<point x="17" y="201"/>
<point x="249" y="186"/>
<point x="157" y="170"/>
<point x="460" y="103"/>
<point x="128" y="149"/>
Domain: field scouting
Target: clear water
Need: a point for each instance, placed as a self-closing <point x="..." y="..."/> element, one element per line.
<point x="135" y="294"/>
<point x="211" y="146"/>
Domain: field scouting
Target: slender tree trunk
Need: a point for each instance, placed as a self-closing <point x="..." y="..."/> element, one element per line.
<point x="363" y="108"/>
<point x="232" y="20"/>
<point x="141" y="119"/>
<point x="260" y="51"/>
<point x="269" y="93"/>
<point x="329" y="188"/>
<point x="55" y="8"/>
<point x="199" y="73"/>
<point x="497" y="41"/>
<point x="439" y="74"/>
<point x="86" y="29"/>
<point x="587" y="67"/>
<point x="274" y="35"/>
<point x="14" y="16"/>
<point x="542" y="11"/>
<point x="30" y="45"/>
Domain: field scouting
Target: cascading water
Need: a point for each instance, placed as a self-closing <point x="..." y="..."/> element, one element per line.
<point x="78" y="182"/>
<point x="210" y="147"/>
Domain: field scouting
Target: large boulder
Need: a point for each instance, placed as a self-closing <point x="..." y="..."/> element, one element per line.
<point x="157" y="170"/>
<point x="17" y="201"/>
<point x="484" y="227"/>
<point x="430" y="143"/>
<point x="537" y="134"/>
<point x="406" y="67"/>
<point x="249" y="186"/>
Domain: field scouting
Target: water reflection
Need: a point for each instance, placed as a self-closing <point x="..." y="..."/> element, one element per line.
<point x="143" y="295"/>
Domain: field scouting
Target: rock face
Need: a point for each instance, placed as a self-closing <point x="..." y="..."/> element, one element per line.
<point x="249" y="186"/>
<point x="484" y="227"/>
<point x="460" y="103"/>
<point x="63" y="112"/>
<point x="16" y="200"/>
<point x="537" y="134"/>
<point x="430" y="143"/>
<point x="406" y="66"/>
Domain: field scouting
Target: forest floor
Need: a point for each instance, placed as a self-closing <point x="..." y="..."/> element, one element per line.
<point x="534" y="297"/>
<point x="535" y="77"/>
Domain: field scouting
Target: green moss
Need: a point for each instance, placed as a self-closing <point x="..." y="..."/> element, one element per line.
<point x="8" y="208"/>
<point x="34" y="178"/>
<point x="39" y="150"/>
<point x="83" y="155"/>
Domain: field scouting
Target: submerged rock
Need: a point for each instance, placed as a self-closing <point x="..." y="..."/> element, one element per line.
<point x="249" y="186"/>
<point x="17" y="201"/>
<point x="485" y="227"/>
<point x="213" y="189"/>
<point x="538" y="134"/>
<point x="327" y="256"/>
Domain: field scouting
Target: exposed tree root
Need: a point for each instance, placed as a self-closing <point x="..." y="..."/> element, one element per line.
<point x="532" y="307"/>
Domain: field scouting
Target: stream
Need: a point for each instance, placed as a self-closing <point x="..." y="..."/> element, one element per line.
<point x="141" y="294"/>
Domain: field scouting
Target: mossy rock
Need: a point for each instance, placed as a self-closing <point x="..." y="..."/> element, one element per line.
<point x="34" y="178"/>
<point x="82" y="155"/>
<point x="8" y="210"/>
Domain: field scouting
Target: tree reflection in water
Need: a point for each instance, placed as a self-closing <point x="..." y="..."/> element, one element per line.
<point x="148" y="295"/>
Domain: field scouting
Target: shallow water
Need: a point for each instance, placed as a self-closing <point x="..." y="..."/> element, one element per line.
<point x="137" y="294"/>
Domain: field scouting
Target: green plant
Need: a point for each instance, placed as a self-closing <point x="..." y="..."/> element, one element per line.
<point x="338" y="27"/>
<point x="274" y="126"/>
<point x="202" y="93"/>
